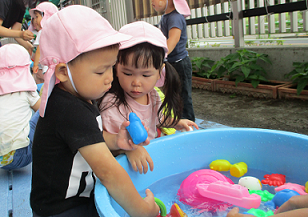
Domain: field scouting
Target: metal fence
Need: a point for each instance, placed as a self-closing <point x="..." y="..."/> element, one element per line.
<point x="278" y="16"/>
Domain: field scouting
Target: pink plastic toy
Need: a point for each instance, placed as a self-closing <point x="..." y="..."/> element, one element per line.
<point x="295" y="187"/>
<point x="234" y="194"/>
<point x="188" y="192"/>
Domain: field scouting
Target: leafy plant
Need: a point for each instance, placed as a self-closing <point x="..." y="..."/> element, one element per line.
<point x="242" y="66"/>
<point x="299" y="75"/>
<point x="201" y="66"/>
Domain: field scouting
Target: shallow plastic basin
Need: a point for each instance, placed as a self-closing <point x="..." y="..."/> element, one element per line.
<point x="269" y="150"/>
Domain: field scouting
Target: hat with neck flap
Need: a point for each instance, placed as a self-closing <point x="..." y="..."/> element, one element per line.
<point x="73" y="30"/>
<point x="182" y="7"/>
<point x="15" y="72"/>
<point x="47" y="8"/>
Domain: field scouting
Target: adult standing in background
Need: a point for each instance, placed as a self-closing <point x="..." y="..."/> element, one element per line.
<point x="11" y="16"/>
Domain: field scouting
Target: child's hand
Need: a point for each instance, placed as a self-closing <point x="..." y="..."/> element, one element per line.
<point x="295" y="202"/>
<point x="125" y="142"/>
<point x="139" y="159"/>
<point x="151" y="201"/>
<point x="234" y="213"/>
<point x="185" y="124"/>
<point x="27" y="35"/>
<point x="35" y="69"/>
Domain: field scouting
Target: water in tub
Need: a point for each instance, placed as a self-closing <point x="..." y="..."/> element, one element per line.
<point x="167" y="188"/>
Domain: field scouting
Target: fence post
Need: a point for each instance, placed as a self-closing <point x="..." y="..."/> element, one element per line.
<point x="226" y="22"/>
<point x="293" y="18"/>
<point x="252" y="20"/>
<point x="237" y="23"/>
<point x="129" y="11"/>
<point x="282" y="19"/>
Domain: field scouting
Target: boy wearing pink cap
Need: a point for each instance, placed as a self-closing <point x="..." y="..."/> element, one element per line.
<point x="69" y="147"/>
<point x="18" y="97"/>
<point x="173" y="25"/>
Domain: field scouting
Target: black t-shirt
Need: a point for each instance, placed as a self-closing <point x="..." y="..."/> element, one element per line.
<point x="61" y="178"/>
<point x="11" y="11"/>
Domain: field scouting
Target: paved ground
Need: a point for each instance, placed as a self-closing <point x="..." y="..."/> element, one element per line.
<point x="243" y="111"/>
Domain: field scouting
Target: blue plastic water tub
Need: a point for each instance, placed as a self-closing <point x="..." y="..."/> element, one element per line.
<point x="269" y="150"/>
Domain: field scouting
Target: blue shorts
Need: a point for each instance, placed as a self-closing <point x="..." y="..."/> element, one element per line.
<point x="23" y="156"/>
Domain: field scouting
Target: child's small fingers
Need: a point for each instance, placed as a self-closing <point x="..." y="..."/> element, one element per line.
<point x="233" y="211"/>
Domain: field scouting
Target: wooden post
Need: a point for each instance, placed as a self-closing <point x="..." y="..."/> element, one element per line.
<point x="129" y="11"/>
<point x="237" y="23"/>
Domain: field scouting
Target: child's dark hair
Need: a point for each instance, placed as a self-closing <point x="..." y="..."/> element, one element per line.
<point x="171" y="108"/>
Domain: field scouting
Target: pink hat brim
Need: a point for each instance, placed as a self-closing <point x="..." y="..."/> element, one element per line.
<point x="182" y="7"/>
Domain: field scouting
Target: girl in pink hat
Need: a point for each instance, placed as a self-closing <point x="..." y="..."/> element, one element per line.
<point x="18" y="96"/>
<point x="69" y="150"/>
<point x="139" y="66"/>
<point x="40" y="15"/>
<point x="173" y="25"/>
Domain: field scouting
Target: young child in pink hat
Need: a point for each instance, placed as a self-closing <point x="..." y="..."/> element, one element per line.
<point x="69" y="150"/>
<point x="18" y="97"/>
<point x="173" y="25"/>
<point x="139" y="66"/>
<point x="40" y="15"/>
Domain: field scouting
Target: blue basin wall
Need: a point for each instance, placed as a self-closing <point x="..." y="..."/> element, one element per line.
<point x="269" y="150"/>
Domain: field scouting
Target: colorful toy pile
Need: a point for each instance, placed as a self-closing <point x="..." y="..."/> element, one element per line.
<point x="210" y="190"/>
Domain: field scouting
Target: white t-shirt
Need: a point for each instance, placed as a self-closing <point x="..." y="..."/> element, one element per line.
<point x="112" y="118"/>
<point x="37" y="40"/>
<point x="15" y="114"/>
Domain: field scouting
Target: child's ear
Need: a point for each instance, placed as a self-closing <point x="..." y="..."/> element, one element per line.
<point x="61" y="72"/>
<point x="161" y="70"/>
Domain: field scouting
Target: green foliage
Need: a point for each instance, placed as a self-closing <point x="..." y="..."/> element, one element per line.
<point x="242" y="66"/>
<point x="201" y="66"/>
<point x="299" y="75"/>
<point x="215" y="45"/>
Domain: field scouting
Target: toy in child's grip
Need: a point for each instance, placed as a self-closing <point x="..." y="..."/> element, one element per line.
<point x="136" y="129"/>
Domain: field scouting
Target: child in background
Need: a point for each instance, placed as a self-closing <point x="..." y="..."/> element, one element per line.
<point x="40" y="14"/>
<point x="18" y="97"/>
<point x="68" y="142"/>
<point x="173" y="25"/>
<point x="296" y="206"/>
<point x="140" y="62"/>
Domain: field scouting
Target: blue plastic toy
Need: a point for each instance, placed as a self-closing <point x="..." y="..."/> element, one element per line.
<point x="281" y="197"/>
<point x="136" y="129"/>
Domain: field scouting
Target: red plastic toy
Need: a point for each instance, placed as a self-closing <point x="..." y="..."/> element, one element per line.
<point x="274" y="179"/>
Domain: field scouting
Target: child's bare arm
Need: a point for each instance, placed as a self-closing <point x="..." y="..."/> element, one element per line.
<point x="295" y="202"/>
<point x="174" y="38"/>
<point x="118" y="182"/>
<point x="36" y="60"/>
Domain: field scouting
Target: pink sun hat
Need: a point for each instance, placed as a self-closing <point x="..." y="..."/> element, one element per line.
<point x="15" y="72"/>
<point x="182" y="7"/>
<point x="143" y="32"/>
<point x="47" y="8"/>
<point x="73" y="30"/>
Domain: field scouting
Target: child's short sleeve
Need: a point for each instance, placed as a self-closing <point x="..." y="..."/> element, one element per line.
<point x="111" y="117"/>
<point x="37" y="40"/>
<point x="33" y="97"/>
